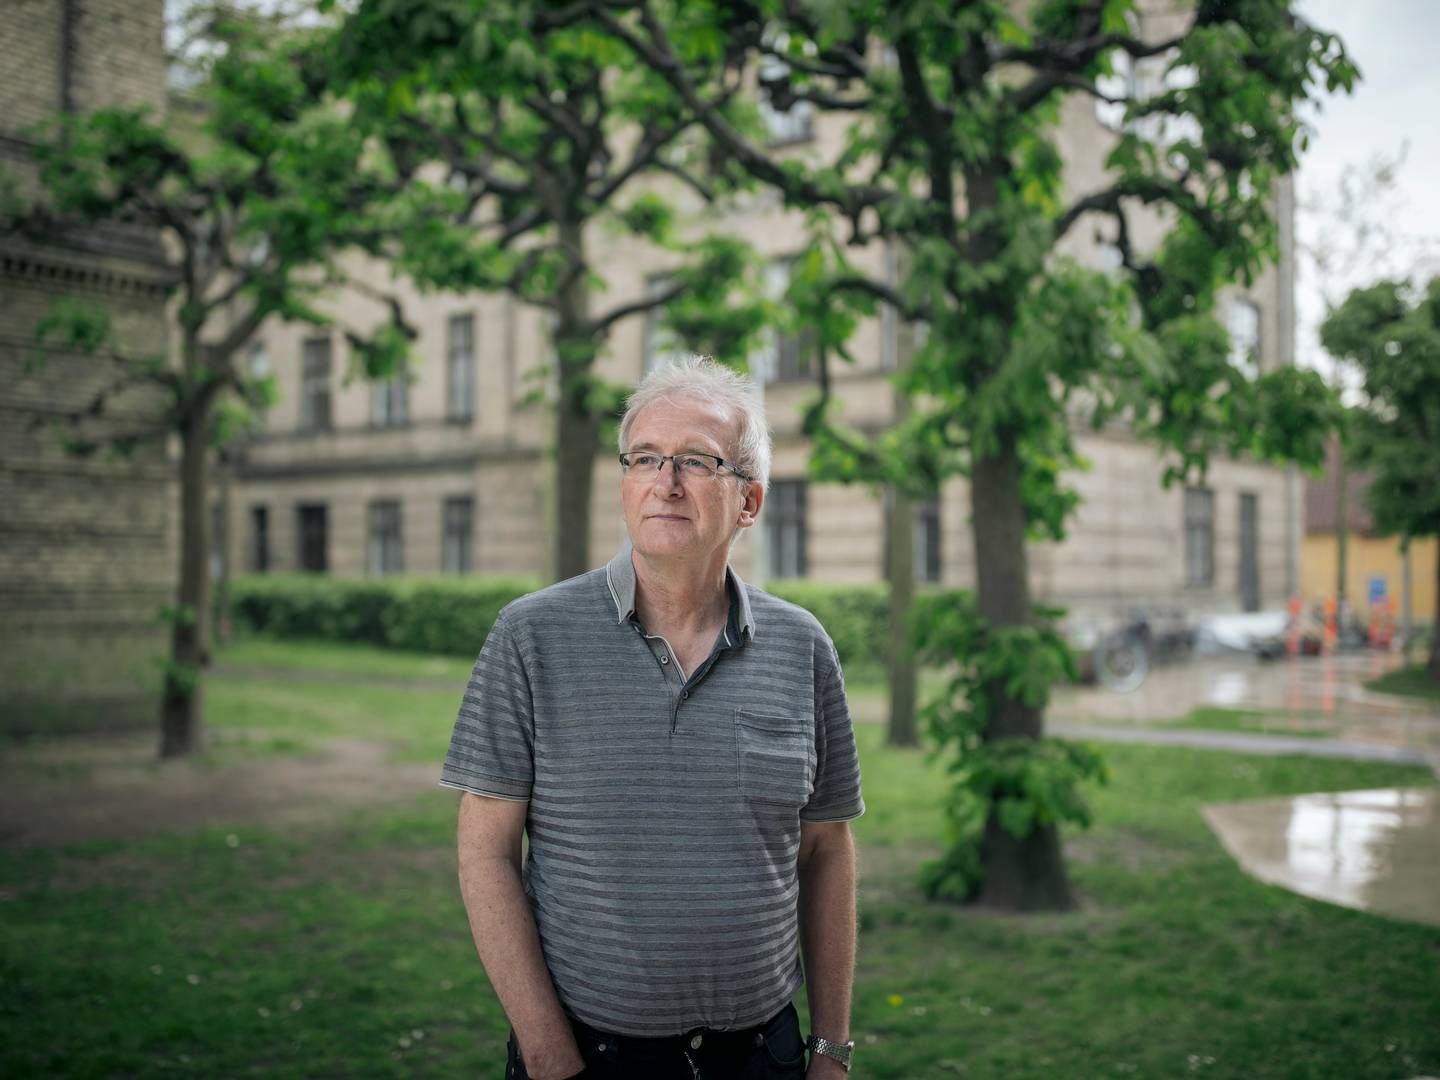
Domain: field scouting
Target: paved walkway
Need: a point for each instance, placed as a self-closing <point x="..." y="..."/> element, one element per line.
<point x="1316" y="695"/>
<point x="1246" y="743"/>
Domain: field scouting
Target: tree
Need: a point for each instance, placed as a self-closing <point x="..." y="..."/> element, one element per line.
<point x="1352" y="235"/>
<point x="1391" y="332"/>
<point x="250" y="191"/>
<point x="950" y="154"/>
<point x="535" y="135"/>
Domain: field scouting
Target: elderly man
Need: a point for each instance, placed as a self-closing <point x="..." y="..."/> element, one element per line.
<point x="677" y="746"/>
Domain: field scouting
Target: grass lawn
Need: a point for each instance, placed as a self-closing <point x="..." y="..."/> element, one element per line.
<point x="1247" y="721"/>
<point x="1414" y="681"/>
<point x="342" y="949"/>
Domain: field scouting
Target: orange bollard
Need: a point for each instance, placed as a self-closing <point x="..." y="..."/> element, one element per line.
<point x="1292" y="627"/>
<point x="1332" y="635"/>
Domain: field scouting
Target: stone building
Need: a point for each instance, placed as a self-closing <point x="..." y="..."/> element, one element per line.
<point x="443" y="474"/>
<point x="85" y="545"/>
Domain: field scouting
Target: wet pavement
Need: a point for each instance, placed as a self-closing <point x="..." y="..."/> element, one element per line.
<point x="1304" y="696"/>
<point x="1374" y="850"/>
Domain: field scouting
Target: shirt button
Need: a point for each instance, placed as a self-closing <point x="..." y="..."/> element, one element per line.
<point x="695" y="1042"/>
<point x="685" y="694"/>
<point x="664" y="659"/>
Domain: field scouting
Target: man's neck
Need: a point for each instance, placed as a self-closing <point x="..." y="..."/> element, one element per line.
<point x="679" y="597"/>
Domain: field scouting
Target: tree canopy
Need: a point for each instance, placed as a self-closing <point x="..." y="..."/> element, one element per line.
<point x="1390" y="331"/>
<point x="950" y="153"/>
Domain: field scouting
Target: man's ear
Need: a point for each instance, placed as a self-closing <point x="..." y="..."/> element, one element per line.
<point x="750" y="508"/>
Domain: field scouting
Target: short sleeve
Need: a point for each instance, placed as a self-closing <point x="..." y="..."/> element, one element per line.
<point x="492" y="747"/>
<point x="837" y="769"/>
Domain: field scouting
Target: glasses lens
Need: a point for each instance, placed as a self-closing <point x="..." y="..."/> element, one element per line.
<point x="696" y="465"/>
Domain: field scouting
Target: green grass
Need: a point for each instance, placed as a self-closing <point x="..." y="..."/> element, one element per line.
<point x="415" y="723"/>
<point x="324" y="951"/>
<point x="370" y="661"/>
<point x="1413" y="681"/>
<point x="1247" y="721"/>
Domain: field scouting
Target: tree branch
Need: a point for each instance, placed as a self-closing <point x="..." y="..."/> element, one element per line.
<point x="602" y="324"/>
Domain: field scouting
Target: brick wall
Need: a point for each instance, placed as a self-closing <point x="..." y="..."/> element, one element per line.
<point x="86" y="546"/>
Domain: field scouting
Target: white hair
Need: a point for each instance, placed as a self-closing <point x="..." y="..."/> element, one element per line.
<point x="700" y="378"/>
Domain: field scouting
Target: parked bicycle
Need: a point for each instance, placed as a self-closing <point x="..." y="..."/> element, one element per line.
<point x="1123" y="658"/>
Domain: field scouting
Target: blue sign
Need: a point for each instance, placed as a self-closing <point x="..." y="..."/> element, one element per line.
<point x="1378" y="589"/>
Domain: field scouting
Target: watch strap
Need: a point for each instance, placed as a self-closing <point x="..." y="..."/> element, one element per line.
<point x="841" y="1052"/>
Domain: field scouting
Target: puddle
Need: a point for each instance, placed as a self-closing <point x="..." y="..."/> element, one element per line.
<point x="1376" y="850"/>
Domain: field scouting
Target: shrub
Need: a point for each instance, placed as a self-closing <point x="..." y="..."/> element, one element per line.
<point x="440" y="615"/>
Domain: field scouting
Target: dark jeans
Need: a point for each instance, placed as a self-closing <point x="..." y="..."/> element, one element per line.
<point x="773" y="1050"/>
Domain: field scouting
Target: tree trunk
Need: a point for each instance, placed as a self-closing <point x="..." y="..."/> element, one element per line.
<point x="577" y="430"/>
<point x="180" y="714"/>
<point x="900" y="573"/>
<point x="1434" y="665"/>
<point x="1018" y="874"/>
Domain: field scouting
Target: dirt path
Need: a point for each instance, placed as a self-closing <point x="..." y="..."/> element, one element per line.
<point x="113" y="787"/>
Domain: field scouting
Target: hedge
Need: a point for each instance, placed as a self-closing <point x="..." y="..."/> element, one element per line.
<point x="438" y="615"/>
<point x="453" y="614"/>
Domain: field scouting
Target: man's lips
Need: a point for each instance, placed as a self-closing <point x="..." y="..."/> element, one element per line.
<point x="668" y="517"/>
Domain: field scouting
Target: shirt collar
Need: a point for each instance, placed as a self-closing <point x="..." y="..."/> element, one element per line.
<point x="620" y="577"/>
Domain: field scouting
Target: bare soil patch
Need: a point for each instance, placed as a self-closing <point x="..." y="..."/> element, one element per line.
<point x="113" y="787"/>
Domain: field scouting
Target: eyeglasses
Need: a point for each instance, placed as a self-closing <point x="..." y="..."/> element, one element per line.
<point x="644" y="465"/>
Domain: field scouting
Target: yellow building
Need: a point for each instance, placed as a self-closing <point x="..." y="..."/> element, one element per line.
<point x="1375" y="565"/>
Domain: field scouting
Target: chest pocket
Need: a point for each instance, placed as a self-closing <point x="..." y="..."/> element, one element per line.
<point x="776" y="758"/>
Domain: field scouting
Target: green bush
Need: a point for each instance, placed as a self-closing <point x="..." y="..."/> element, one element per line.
<point x="440" y="615"/>
<point x="452" y="615"/>
<point x="855" y="616"/>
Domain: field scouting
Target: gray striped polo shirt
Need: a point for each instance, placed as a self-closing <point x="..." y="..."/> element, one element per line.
<point x="665" y="810"/>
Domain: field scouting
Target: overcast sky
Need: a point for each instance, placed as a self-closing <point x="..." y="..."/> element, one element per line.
<point x="1396" y="102"/>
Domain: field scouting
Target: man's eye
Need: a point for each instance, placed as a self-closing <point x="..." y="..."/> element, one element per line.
<point x="645" y="461"/>
<point x="695" y="463"/>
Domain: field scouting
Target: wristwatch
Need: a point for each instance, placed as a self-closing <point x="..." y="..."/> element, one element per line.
<point x="840" y="1052"/>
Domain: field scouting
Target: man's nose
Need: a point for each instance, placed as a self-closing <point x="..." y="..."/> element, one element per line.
<point x="668" y="480"/>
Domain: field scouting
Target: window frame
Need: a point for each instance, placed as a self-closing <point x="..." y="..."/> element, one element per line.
<point x="460" y="399"/>
<point x="462" y="546"/>
<point x="1198" y="528"/>
<point x="317" y="365"/>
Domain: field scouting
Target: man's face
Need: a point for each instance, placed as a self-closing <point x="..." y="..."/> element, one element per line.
<point x="669" y="516"/>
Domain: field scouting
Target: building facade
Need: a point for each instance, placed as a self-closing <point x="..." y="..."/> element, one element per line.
<point x="86" y="545"/>
<point x="444" y="474"/>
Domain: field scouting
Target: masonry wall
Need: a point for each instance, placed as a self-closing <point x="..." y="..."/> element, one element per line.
<point x="86" y="545"/>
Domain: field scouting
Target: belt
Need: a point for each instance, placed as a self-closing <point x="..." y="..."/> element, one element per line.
<point x="702" y="1040"/>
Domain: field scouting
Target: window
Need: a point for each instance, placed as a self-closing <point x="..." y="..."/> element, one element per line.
<point x="257" y="369"/>
<point x="460" y="368"/>
<point x="315" y="385"/>
<point x="458" y="531"/>
<point x="927" y="540"/>
<point x="312" y="528"/>
<point x="1138" y="81"/>
<point x="260" y="539"/>
<point x="790" y="125"/>
<point x="1242" y="320"/>
<point x="662" y="346"/>
<point x="390" y="401"/>
<point x="1199" y="537"/>
<point x="385" y="549"/>
<point x="783" y="355"/>
<point x="784" y="519"/>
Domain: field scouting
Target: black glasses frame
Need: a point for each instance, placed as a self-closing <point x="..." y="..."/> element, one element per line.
<point x="720" y="462"/>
